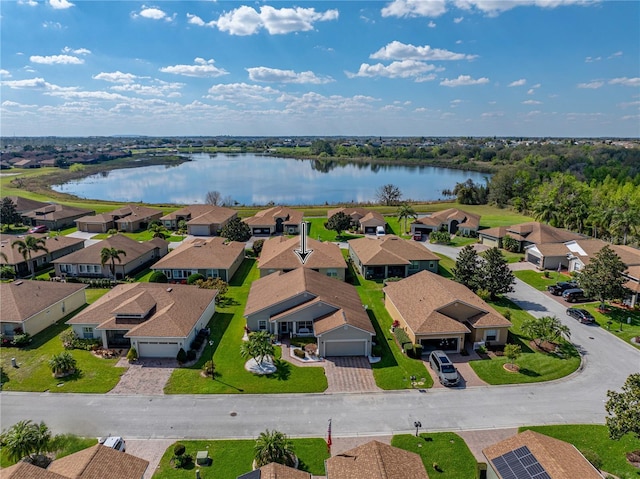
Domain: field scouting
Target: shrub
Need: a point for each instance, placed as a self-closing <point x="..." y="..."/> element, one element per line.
<point x="21" y="340"/>
<point x="195" y="277"/>
<point x="179" y="449"/>
<point x="440" y="237"/>
<point x="484" y="294"/>
<point x="417" y="349"/>
<point x="182" y="461"/>
<point x="401" y="336"/>
<point x="510" y="244"/>
<point x="507" y="314"/>
<point x="593" y="457"/>
<point x="158" y="277"/>
<point x="299" y="353"/>
<point x="408" y="349"/>
<point x="376" y="351"/>
<point x="7" y="272"/>
<point x="132" y="354"/>
<point x="112" y="231"/>
<point x="181" y="356"/>
<point x="546" y="274"/>
<point x="68" y="337"/>
<point x="191" y="355"/>
<point x="257" y="247"/>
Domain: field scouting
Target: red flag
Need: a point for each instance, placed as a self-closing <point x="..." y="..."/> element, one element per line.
<point x="329" y="437"/>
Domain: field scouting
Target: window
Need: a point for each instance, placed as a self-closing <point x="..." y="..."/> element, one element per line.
<point x="63" y="308"/>
<point x="333" y="273"/>
<point x="490" y="335"/>
<point x="87" y="332"/>
<point x="414" y="265"/>
<point x="262" y="325"/>
<point x="305" y="327"/>
<point x="167" y="273"/>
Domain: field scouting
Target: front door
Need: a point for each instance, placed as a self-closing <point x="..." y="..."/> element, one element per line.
<point x="284" y="328"/>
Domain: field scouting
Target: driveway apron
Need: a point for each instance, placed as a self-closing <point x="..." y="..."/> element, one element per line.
<point x="349" y="374"/>
<point x="145" y="376"/>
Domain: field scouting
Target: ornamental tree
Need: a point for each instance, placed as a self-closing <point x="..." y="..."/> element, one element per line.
<point x="623" y="409"/>
<point x="602" y="278"/>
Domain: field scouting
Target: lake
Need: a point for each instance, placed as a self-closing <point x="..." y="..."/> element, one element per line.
<point x="251" y="179"/>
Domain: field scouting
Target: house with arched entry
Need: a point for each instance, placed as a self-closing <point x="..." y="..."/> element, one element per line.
<point x="450" y="220"/>
<point x="278" y="219"/>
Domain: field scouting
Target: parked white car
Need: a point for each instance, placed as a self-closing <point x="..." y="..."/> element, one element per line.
<point x="114" y="442"/>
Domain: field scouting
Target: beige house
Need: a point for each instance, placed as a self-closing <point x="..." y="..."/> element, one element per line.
<point x="390" y="256"/>
<point x="450" y="220"/>
<point x="278" y="219"/>
<point x="375" y="460"/>
<point x="87" y="262"/>
<point x="307" y="303"/>
<point x="441" y="314"/>
<point x="201" y="220"/>
<point x="54" y="216"/>
<point x="278" y="254"/>
<point x="531" y="454"/>
<point x="96" y="462"/>
<point x="157" y="319"/>
<point x="527" y="234"/>
<point x="129" y="218"/>
<point x="364" y="220"/>
<point x="212" y="258"/>
<point x="276" y="471"/>
<point x="32" y="306"/>
<point x="57" y="247"/>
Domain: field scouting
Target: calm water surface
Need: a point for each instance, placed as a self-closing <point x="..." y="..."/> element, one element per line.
<point x="253" y="179"/>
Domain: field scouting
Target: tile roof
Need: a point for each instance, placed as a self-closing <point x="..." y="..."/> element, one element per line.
<point x="25" y="204"/>
<point x="202" y="254"/>
<point x="533" y="232"/>
<point x="278" y="253"/>
<point x="177" y="309"/>
<point x="217" y="215"/>
<point x="276" y="471"/>
<point x="279" y="287"/>
<point x="268" y="217"/>
<point x="99" y="462"/>
<point x="390" y="249"/>
<point x="375" y="460"/>
<point x="53" y="244"/>
<point x="53" y="212"/>
<point x="420" y="300"/>
<point x="22" y="299"/>
<point x="463" y="218"/>
<point x="133" y="249"/>
<point x="585" y="249"/>
<point x="560" y="459"/>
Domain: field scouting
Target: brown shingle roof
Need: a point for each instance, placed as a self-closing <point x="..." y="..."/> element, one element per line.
<point x="52" y="244"/>
<point x="375" y="460"/>
<point x="22" y="299"/>
<point x="99" y="462"/>
<point x="278" y="471"/>
<point x="193" y="210"/>
<point x="278" y="253"/>
<point x="630" y="256"/>
<point x="463" y="218"/>
<point x="133" y="249"/>
<point x="357" y="214"/>
<point x="178" y="308"/>
<point x="532" y="232"/>
<point x="55" y="212"/>
<point x="200" y="253"/>
<point x="390" y="249"/>
<point x="418" y="297"/>
<point x="560" y="459"/>
<point x="278" y="287"/>
<point x="25" y="204"/>
<point x="215" y="215"/>
<point x="268" y="217"/>
<point x="24" y="470"/>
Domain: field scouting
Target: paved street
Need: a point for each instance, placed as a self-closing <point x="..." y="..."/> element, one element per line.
<point x="578" y="398"/>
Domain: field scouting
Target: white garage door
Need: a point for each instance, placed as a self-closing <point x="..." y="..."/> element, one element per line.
<point x="157" y="349"/>
<point x="199" y="230"/>
<point x="344" y="348"/>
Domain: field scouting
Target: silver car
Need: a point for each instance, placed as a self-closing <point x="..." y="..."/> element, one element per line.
<point x="444" y="368"/>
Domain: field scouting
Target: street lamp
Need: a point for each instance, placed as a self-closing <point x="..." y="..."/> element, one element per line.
<point x="417" y="425"/>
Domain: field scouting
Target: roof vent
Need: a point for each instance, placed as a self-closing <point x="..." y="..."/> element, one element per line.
<point x="169" y="289"/>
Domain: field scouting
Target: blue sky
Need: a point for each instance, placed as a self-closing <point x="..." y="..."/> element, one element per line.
<point x="383" y="68"/>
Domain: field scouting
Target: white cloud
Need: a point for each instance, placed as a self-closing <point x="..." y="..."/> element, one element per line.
<point x="458" y="19"/>
<point x="463" y="80"/>
<point x="520" y="82"/>
<point x="614" y="55"/>
<point x="28" y="84"/>
<point x="265" y="74"/>
<point x="492" y="114"/>
<point x="401" y="69"/>
<point x="414" y="8"/>
<point x="634" y="82"/>
<point x="53" y="25"/>
<point x="628" y="104"/>
<point x="431" y="24"/>
<point x="77" y="51"/>
<point x="201" y="68"/>
<point x="531" y="102"/>
<point x="31" y="3"/>
<point x="196" y="20"/>
<point x="5" y="73"/>
<point x="56" y="60"/>
<point x="247" y="21"/>
<point x="591" y="85"/>
<point x="60" y="4"/>
<point x="158" y="89"/>
<point x="153" y="13"/>
<point x="401" y="51"/>
<point x="87" y="95"/>
<point x="495" y="7"/>
<point x="592" y="59"/>
<point x="14" y="104"/>
<point x="241" y="92"/>
<point x="116" y="77"/>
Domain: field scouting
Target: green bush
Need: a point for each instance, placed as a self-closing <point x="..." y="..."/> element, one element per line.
<point x="191" y="355"/>
<point x="408" y="350"/>
<point x="182" y="461"/>
<point x="484" y="294"/>
<point x="440" y="237"/>
<point x="257" y="247"/>
<point x="179" y="449"/>
<point x="158" y="277"/>
<point x="401" y="336"/>
<point x="7" y="272"/>
<point x="417" y="348"/>
<point x="376" y="351"/>
<point x="21" y="340"/>
<point x="132" y="354"/>
<point x="181" y="356"/>
<point x="194" y="277"/>
<point x="299" y="353"/>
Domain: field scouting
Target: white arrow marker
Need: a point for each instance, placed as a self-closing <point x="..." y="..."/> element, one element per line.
<point x="303" y="253"/>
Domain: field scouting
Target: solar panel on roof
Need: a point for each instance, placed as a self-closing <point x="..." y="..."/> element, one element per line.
<point x="519" y="464"/>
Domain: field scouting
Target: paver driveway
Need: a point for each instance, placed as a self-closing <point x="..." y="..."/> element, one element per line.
<point x="145" y="376"/>
<point x="349" y="374"/>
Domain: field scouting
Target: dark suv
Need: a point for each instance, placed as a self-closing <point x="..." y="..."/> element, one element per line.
<point x="574" y="294"/>
<point x="581" y="315"/>
<point x="559" y="288"/>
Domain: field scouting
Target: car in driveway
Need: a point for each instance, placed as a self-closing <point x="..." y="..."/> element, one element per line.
<point x="581" y="315"/>
<point x="573" y="295"/>
<point x="114" y="442"/>
<point x="559" y="288"/>
<point x="38" y="229"/>
<point x="443" y="367"/>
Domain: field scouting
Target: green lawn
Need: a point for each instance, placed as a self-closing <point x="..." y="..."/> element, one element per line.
<point x="317" y="231"/>
<point x="227" y="329"/>
<point x="233" y="458"/>
<point x="446" y="449"/>
<point x="618" y="318"/>
<point x="534" y="366"/>
<point x="95" y="375"/>
<point x="445" y="266"/>
<point x="596" y="438"/>
<point x="538" y="280"/>
<point x="140" y="236"/>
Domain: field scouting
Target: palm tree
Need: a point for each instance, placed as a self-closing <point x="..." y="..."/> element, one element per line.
<point x="158" y="230"/>
<point x="406" y="211"/>
<point x="258" y="347"/>
<point x="25" y="438"/>
<point x="62" y="364"/>
<point x="111" y="254"/>
<point x="273" y="446"/>
<point x="30" y="245"/>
